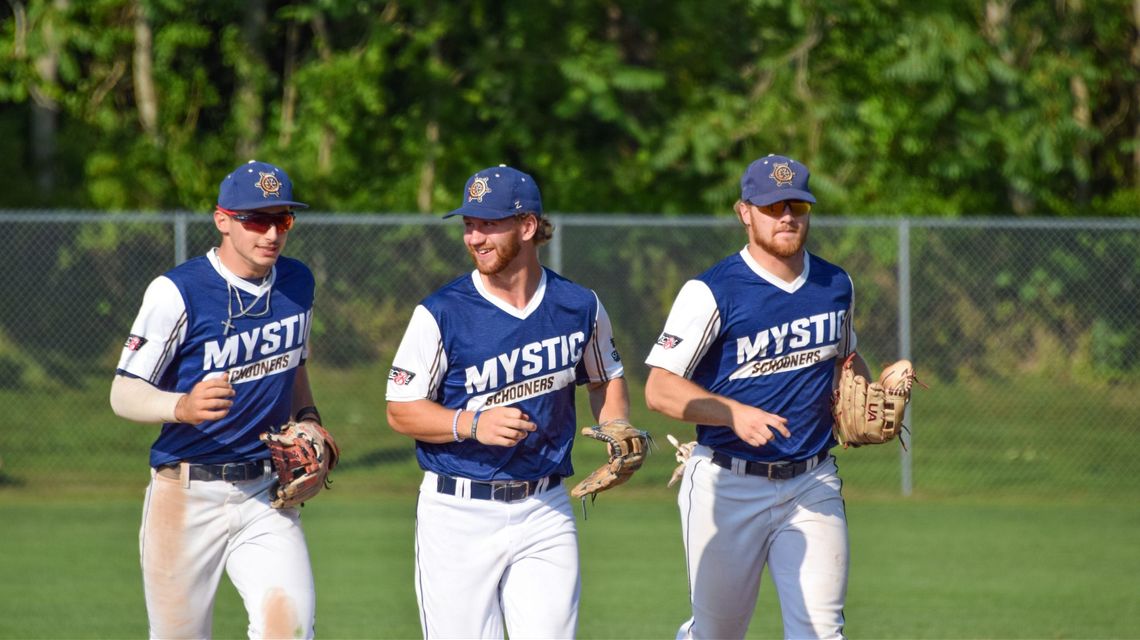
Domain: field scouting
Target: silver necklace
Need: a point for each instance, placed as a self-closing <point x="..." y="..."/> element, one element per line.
<point x="244" y="311"/>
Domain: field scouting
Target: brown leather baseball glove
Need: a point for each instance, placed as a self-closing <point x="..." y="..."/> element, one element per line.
<point x="627" y="447"/>
<point x="871" y="413"/>
<point x="303" y="453"/>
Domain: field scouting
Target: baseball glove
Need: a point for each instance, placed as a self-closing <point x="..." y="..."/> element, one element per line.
<point x="303" y="454"/>
<point x="683" y="453"/>
<point x="871" y="413"/>
<point x="627" y="446"/>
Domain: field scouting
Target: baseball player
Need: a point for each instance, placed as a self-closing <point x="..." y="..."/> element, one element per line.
<point x="748" y="353"/>
<point x="484" y="381"/>
<point x="217" y="354"/>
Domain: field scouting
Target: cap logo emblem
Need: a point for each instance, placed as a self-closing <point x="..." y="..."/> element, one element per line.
<point x="478" y="189"/>
<point x="269" y="185"/>
<point x="782" y="174"/>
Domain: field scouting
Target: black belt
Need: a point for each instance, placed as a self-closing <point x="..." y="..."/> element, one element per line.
<point x="230" y="472"/>
<point x="772" y="470"/>
<point x="499" y="490"/>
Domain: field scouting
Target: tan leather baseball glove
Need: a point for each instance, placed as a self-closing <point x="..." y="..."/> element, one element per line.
<point x="303" y="453"/>
<point x="871" y="413"/>
<point x="682" y="454"/>
<point x="627" y="447"/>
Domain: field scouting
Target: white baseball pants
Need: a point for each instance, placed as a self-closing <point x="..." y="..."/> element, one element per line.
<point x="482" y="564"/>
<point x="733" y="525"/>
<point x="193" y="530"/>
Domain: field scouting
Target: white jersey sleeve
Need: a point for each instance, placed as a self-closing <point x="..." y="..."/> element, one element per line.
<point x="420" y="362"/>
<point x="601" y="358"/>
<point x="158" y="331"/>
<point x="693" y="324"/>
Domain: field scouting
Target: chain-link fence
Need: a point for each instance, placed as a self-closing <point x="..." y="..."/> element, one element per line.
<point x="1025" y="332"/>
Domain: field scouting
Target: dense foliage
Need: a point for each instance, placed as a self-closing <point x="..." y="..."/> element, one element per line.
<point x="944" y="107"/>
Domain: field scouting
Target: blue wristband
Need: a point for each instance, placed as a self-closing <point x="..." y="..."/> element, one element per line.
<point x="475" y="425"/>
<point x="455" y="425"/>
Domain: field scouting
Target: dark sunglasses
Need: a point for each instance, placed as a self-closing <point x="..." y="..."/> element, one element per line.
<point x="797" y="207"/>
<point x="260" y="222"/>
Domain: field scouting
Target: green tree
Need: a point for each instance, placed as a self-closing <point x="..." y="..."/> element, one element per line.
<point x="946" y="108"/>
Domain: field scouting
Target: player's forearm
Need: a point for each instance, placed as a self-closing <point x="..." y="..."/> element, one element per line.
<point x="428" y="421"/>
<point x="679" y="398"/>
<point x="609" y="400"/>
<point x="138" y="400"/>
<point x="302" y="398"/>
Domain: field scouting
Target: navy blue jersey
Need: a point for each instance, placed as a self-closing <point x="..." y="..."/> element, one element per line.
<point x="741" y="332"/>
<point x="466" y="348"/>
<point x="198" y="321"/>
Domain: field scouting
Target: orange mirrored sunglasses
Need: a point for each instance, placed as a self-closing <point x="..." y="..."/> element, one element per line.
<point x="260" y="222"/>
<point x="797" y="207"/>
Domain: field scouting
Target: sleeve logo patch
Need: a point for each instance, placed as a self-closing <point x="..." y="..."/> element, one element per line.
<point x="400" y="376"/>
<point x="668" y="341"/>
<point x="134" y="343"/>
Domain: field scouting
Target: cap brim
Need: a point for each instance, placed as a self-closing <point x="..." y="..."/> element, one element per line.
<point x="472" y="210"/>
<point x="261" y="204"/>
<point x="781" y="195"/>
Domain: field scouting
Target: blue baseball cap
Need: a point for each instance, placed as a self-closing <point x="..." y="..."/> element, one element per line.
<point x="254" y="185"/>
<point x="775" y="178"/>
<point x="497" y="193"/>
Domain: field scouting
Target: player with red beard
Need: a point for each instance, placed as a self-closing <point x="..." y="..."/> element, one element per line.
<point x="748" y="353"/>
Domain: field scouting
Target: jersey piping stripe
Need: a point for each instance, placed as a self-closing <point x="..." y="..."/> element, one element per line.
<point x="168" y="348"/>
<point x="435" y="368"/>
<point x="597" y="349"/>
<point x="845" y="334"/>
<point x="706" y="339"/>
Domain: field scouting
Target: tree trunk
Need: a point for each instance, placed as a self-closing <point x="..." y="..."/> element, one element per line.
<point x="1082" y="114"/>
<point x="327" y="138"/>
<point x="289" y="95"/>
<point x="995" y="29"/>
<point x="1136" y="92"/>
<point x="427" y="170"/>
<point x="247" y="95"/>
<point x="44" y="108"/>
<point x="145" y="95"/>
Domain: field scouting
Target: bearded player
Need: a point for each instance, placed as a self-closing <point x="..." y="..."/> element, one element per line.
<point x="484" y="381"/>
<point x="748" y="353"/>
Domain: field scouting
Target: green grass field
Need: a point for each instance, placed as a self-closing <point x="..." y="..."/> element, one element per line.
<point x="920" y="569"/>
<point x="1036" y="440"/>
<point x="1022" y="523"/>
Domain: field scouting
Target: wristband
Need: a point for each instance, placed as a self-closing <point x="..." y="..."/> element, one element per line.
<point x="455" y="425"/>
<point x="475" y="425"/>
<point x="305" y="412"/>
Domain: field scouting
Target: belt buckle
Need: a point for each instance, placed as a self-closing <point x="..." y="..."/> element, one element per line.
<point x="776" y="465"/>
<point x="236" y="472"/>
<point x="505" y="490"/>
